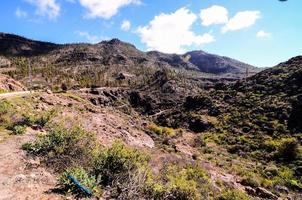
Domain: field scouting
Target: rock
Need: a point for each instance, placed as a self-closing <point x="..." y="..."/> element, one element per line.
<point x="264" y="193"/>
<point x="250" y="190"/>
<point x="289" y="198"/>
<point x="9" y="84"/>
<point x="282" y="189"/>
<point x="197" y="102"/>
<point x="146" y="103"/>
<point x="199" y="125"/>
<point x="34" y="163"/>
<point x="298" y="171"/>
<point x="94" y="91"/>
<point x="120" y="76"/>
<point x="94" y="101"/>
<point x="48" y="91"/>
<point x="20" y="178"/>
<point x="4" y="62"/>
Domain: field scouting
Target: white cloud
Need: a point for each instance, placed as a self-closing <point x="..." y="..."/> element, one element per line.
<point x="241" y="20"/>
<point x="263" y="34"/>
<point x="89" y="37"/>
<point x="105" y="8"/>
<point x="172" y="33"/>
<point x="46" y="8"/>
<point x="214" y="15"/>
<point x="20" y="13"/>
<point x="126" y="25"/>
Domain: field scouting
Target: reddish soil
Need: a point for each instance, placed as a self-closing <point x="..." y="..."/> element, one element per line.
<point x="22" y="177"/>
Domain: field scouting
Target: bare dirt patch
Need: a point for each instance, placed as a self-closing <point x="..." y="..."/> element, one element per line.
<point x="22" y="177"/>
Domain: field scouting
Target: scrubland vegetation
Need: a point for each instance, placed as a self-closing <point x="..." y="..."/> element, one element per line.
<point x="224" y="141"/>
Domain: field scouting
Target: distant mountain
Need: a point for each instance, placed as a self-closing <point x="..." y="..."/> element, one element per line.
<point x="13" y="45"/>
<point x="215" y="64"/>
<point x="116" y="52"/>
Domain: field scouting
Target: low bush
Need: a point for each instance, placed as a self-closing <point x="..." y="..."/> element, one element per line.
<point x="42" y="120"/>
<point x="5" y="109"/>
<point x="83" y="177"/>
<point x="3" y="91"/>
<point x="114" y="164"/>
<point x="162" y="131"/>
<point x="18" y="130"/>
<point x="288" y="150"/>
<point x="187" y="184"/>
<point x="62" y="148"/>
<point x="233" y="195"/>
<point x="250" y="179"/>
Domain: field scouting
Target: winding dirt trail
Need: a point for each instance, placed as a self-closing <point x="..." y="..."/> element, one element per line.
<point x="15" y="94"/>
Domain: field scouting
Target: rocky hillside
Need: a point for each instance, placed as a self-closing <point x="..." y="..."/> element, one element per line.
<point x="226" y="141"/>
<point x="258" y="120"/>
<point x="215" y="64"/>
<point x="118" y="53"/>
<point x="8" y="84"/>
<point x="238" y="139"/>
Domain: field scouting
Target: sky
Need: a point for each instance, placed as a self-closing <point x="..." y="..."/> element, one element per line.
<point x="259" y="32"/>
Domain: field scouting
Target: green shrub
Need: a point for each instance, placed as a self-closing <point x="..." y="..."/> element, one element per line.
<point x="38" y="119"/>
<point x="288" y="149"/>
<point x="43" y="119"/>
<point x="3" y="91"/>
<point x="233" y="195"/>
<point x="180" y="187"/>
<point x="63" y="147"/>
<point x="295" y="184"/>
<point x="187" y="184"/>
<point x="162" y="131"/>
<point x="5" y="108"/>
<point x="250" y="179"/>
<point x="115" y="163"/>
<point x="85" y="179"/>
<point x="29" y="119"/>
<point x="18" y="130"/>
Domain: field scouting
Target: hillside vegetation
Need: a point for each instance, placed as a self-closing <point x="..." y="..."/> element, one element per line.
<point x="129" y="128"/>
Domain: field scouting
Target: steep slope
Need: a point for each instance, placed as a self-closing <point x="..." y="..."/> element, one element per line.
<point x="261" y="120"/>
<point x="258" y="119"/>
<point x="283" y="83"/>
<point x="265" y="107"/>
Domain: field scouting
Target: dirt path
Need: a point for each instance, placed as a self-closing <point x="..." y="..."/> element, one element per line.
<point x="21" y="177"/>
<point x="14" y="94"/>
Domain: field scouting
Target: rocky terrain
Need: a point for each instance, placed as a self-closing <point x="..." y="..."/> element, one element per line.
<point x="110" y="57"/>
<point x="133" y="125"/>
<point x="8" y="84"/>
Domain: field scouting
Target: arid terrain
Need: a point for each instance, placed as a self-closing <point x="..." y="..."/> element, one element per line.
<point x="128" y="124"/>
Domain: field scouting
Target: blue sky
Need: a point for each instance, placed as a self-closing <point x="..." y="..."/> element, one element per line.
<point x="259" y="32"/>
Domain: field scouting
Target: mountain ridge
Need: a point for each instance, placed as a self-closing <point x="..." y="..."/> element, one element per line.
<point x="13" y="45"/>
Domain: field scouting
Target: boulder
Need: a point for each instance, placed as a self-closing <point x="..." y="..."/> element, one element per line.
<point x="199" y="124"/>
<point x="264" y="193"/>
